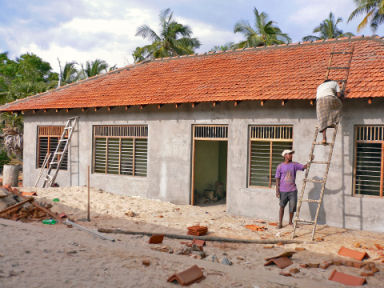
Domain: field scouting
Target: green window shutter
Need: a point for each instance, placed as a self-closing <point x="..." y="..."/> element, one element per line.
<point x="126" y="164"/>
<point x="113" y="149"/>
<point x="43" y="150"/>
<point x="259" y="163"/>
<point x="141" y="157"/>
<point x="368" y="168"/>
<point x="100" y="155"/>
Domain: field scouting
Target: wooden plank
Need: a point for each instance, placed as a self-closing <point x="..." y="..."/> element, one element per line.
<point x="8" y="209"/>
<point x="193" y="167"/>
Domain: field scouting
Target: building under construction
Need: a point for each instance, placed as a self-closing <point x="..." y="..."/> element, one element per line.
<point x="210" y="128"/>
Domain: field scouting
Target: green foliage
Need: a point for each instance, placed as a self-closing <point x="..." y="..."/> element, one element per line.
<point x="4" y="159"/>
<point x="264" y="33"/>
<point x="24" y="76"/>
<point x="373" y="11"/>
<point x="174" y="39"/>
<point x="93" y="68"/>
<point x="224" y="47"/>
<point x="327" y="29"/>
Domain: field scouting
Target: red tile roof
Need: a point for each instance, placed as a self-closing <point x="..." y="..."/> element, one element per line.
<point x="282" y="72"/>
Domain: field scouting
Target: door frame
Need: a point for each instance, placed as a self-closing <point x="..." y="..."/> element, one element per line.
<point x="206" y="132"/>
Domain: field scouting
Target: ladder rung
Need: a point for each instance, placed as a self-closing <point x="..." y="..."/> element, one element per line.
<point x="314" y="181"/>
<point x="59" y="152"/>
<point x="67" y="128"/>
<point x="63" y="140"/>
<point x="334" y="67"/>
<point x="341" y="52"/>
<point x="310" y="200"/>
<point x="53" y="163"/>
<point x="304" y="221"/>
<point x="319" y="162"/>
<point x="321" y="143"/>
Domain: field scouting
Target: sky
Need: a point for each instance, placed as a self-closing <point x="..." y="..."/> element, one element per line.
<point x="83" y="30"/>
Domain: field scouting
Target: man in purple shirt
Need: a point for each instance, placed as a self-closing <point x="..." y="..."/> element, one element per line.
<point x="286" y="189"/>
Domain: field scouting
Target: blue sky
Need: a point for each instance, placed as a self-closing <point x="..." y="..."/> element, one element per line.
<point x="84" y="30"/>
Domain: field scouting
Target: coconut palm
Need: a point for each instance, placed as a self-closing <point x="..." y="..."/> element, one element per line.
<point x="174" y="39"/>
<point x="373" y="11"/>
<point x="93" y="68"/>
<point x="264" y="33"/>
<point x="69" y="74"/>
<point x="328" y="29"/>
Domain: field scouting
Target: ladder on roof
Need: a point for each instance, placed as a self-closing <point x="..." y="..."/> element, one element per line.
<point x="315" y="143"/>
<point x="58" y="155"/>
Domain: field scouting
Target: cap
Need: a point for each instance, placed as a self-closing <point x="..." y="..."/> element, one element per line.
<point x="287" y="152"/>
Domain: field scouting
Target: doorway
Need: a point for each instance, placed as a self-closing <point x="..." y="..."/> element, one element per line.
<point x="209" y="164"/>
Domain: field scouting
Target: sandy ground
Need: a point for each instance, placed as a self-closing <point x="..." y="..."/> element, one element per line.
<point x="38" y="255"/>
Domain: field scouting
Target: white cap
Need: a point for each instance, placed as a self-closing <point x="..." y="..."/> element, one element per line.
<point x="287" y="152"/>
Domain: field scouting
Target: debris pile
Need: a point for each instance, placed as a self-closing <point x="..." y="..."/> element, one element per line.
<point x="16" y="206"/>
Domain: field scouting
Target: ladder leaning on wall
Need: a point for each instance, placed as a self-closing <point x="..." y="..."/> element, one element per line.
<point x="55" y="159"/>
<point x="349" y="52"/>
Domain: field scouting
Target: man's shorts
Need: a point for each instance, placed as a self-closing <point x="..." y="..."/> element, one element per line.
<point x="291" y="197"/>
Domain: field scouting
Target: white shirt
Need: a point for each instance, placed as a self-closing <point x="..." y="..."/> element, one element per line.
<point x="329" y="88"/>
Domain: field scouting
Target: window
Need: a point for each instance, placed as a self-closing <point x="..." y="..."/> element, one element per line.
<point x="265" y="146"/>
<point x="120" y="150"/>
<point x="369" y="160"/>
<point x="48" y="139"/>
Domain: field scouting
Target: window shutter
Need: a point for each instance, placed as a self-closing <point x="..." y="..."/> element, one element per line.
<point x="100" y="155"/>
<point x="141" y="157"/>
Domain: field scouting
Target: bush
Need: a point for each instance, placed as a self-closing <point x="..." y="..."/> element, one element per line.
<point x="4" y="159"/>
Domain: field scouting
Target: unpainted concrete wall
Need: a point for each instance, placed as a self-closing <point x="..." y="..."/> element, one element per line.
<point x="169" y="156"/>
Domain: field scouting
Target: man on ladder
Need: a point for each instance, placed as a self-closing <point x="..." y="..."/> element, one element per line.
<point x="328" y="106"/>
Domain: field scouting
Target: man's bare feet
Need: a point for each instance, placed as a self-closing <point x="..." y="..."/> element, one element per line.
<point x="279" y="226"/>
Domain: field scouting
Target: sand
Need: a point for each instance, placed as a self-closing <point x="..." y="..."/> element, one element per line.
<point x="38" y="255"/>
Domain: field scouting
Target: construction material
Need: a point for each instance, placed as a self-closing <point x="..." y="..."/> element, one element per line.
<point x="205" y="238"/>
<point x="58" y="155"/>
<point x="281" y="261"/>
<point x="331" y="145"/>
<point x="346" y="279"/>
<point x="197" y="230"/>
<point x="255" y="227"/>
<point x="189" y="276"/>
<point x="11" y="175"/>
<point x="69" y="222"/>
<point x="7" y="210"/>
<point x="352" y="253"/>
<point x="156" y="239"/>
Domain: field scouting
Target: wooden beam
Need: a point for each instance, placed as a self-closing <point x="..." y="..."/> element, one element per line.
<point x="34" y="111"/>
<point x="67" y="110"/>
<point x="142" y="107"/>
<point x="84" y="109"/>
<point x="22" y="112"/>
<point x="311" y="103"/>
<point x="214" y="104"/>
<point x="194" y="104"/>
<point x="109" y="109"/>
<point x="177" y="105"/>
<point x="45" y="110"/>
<point x="159" y="106"/>
<point x="95" y="109"/>
<point x="369" y="100"/>
<point x="283" y="102"/>
<point x="126" y="108"/>
<point x="236" y="103"/>
<point x="57" y="110"/>
<point x="262" y="103"/>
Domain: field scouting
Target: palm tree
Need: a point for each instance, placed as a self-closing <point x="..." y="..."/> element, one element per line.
<point x="265" y="32"/>
<point x="328" y="29"/>
<point x="174" y="39"/>
<point x="373" y="10"/>
<point x="69" y="74"/>
<point x="93" y="68"/>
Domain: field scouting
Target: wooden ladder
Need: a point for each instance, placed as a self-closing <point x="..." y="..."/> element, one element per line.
<point x="58" y="155"/>
<point x="315" y="143"/>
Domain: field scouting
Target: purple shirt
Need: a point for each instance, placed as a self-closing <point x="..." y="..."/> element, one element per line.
<point x="287" y="175"/>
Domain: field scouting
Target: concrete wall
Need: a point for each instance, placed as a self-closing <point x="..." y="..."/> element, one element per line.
<point x="169" y="156"/>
